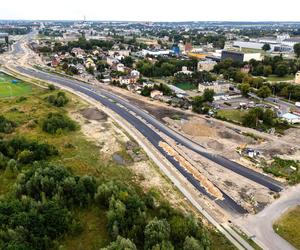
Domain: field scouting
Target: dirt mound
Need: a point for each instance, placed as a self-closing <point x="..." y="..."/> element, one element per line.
<point x="209" y="186"/>
<point x="93" y="114"/>
<point x="196" y="128"/>
<point x="228" y="135"/>
<point x="215" y="145"/>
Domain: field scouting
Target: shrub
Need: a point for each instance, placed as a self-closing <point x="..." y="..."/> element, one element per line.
<point x="56" y="122"/>
<point x="25" y="151"/>
<point x="6" y="126"/>
<point x="51" y="87"/>
<point x="60" y="100"/>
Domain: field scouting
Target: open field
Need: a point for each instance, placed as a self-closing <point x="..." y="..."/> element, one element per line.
<point x="288" y="227"/>
<point x="234" y="115"/>
<point x="274" y="78"/>
<point x="186" y="86"/>
<point x="9" y="89"/>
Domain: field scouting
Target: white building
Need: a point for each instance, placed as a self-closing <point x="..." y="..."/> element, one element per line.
<point x="184" y="71"/>
<point x="291" y="41"/>
<point x="146" y="52"/>
<point x="111" y="61"/>
<point x="207" y="65"/>
<point x="218" y="86"/>
<point x="135" y="73"/>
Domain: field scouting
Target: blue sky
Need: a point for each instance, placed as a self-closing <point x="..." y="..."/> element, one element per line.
<point x="152" y="10"/>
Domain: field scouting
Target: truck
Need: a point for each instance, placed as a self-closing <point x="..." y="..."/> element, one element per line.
<point x="297" y="104"/>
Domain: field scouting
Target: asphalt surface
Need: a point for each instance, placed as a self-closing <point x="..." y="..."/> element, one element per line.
<point x="130" y="113"/>
<point x="153" y="137"/>
<point x="260" y="226"/>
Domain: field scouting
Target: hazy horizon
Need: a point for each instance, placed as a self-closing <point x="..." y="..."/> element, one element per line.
<point x="154" y="11"/>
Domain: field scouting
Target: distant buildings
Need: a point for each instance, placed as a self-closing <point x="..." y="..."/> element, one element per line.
<point x="207" y="65"/>
<point x="281" y="43"/>
<point x="111" y="61"/>
<point x="218" y="86"/>
<point x="146" y="52"/>
<point x="240" y="56"/>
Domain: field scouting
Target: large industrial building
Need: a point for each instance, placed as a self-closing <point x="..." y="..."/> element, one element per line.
<point x="240" y="56"/>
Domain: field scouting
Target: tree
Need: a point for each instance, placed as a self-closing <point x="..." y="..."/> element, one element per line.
<point x="191" y="243"/>
<point x="266" y="47"/>
<point x="264" y="92"/>
<point x="244" y="88"/>
<point x="127" y="61"/>
<point x="121" y="244"/>
<point x="297" y="49"/>
<point x="281" y="69"/>
<point x="156" y="232"/>
<point x="267" y="70"/>
<point x="208" y="95"/>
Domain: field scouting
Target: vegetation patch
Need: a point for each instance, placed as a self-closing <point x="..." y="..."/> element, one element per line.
<point x="288" y="227"/>
<point x="233" y="115"/>
<point x="56" y="123"/>
<point x="6" y="126"/>
<point x="10" y="87"/>
<point x="288" y="169"/>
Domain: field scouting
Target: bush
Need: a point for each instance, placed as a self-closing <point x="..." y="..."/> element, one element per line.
<point x="60" y="100"/>
<point x="51" y="87"/>
<point x="56" y="123"/>
<point x="6" y="126"/>
<point x="25" y="151"/>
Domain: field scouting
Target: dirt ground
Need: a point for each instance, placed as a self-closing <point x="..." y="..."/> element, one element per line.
<point x="100" y="129"/>
<point x="218" y="136"/>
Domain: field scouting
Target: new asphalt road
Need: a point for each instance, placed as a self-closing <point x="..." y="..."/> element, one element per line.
<point x="131" y="113"/>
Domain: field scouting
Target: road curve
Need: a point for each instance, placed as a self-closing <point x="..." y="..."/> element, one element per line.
<point x="153" y="137"/>
<point x="260" y="226"/>
<point x="221" y="161"/>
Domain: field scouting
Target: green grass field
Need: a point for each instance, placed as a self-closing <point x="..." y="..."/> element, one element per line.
<point x="185" y="86"/>
<point x="274" y="78"/>
<point x="288" y="227"/>
<point x="9" y="89"/>
<point x="234" y="115"/>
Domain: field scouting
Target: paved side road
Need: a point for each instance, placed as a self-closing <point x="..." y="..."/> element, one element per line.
<point x="260" y="225"/>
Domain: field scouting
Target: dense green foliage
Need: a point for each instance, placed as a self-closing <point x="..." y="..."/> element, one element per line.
<point x="24" y="151"/>
<point x="26" y="224"/>
<point x="200" y="103"/>
<point x="195" y="78"/>
<point x="297" y="49"/>
<point x="58" y="100"/>
<point x="163" y="67"/>
<point x="56" y="123"/>
<point x="6" y="126"/>
<point x="161" y="87"/>
<point x="259" y="118"/>
<point x="274" y="65"/>
<point x="38" y="211"/>
<point x="129" y="215"/>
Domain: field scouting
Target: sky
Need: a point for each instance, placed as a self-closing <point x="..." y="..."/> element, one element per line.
<point x="152" y="10"/>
